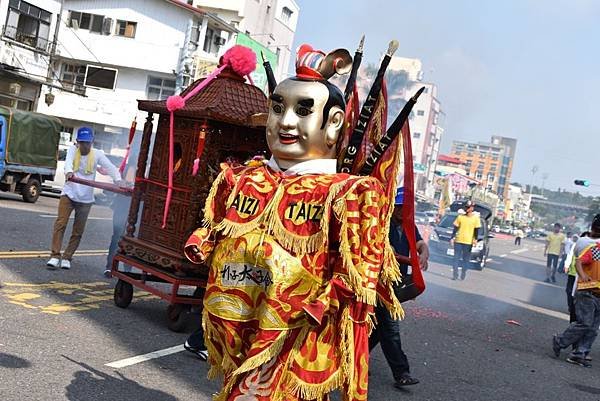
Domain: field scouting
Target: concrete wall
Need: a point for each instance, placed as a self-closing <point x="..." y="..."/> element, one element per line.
<point x="159" y="37"/>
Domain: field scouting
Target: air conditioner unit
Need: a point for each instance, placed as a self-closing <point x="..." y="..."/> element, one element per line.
<point x="107" y="25"/>
<point x="219" y="41"/>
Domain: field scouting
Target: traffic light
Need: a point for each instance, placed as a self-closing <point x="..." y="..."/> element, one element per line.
<point x="583" y="183"/>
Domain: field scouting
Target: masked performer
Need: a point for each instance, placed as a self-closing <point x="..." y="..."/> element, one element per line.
<point x="297" y="253"/>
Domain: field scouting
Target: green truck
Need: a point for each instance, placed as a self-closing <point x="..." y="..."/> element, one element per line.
<point x="28" y="151"/>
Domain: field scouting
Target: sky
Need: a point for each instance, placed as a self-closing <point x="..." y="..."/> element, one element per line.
<point x="526" y="69"/>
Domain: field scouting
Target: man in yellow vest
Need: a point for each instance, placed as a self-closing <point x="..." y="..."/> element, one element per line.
<point x="81" y="161"/>
<point x="555" y="246"/>
<point x="464" y="237"/>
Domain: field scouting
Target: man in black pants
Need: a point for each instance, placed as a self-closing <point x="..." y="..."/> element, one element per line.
<point x="387" y="330"/>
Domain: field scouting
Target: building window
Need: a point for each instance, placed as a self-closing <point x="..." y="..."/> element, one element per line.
<point x="99" y="77"/>
<point x="27" y="24"/>
<point x="92" y="22"/>
<point x="478" y="175"/>
<point x="286" y="14"/>
<point x="126" y="28"/>
<point x="416" y="135"/>
<point x="212" y="42"/>
<point x="160" y="88"/>
<point x="491" y="178"/>
<point x="73" y="77"/>
<point x="420" y="112"/>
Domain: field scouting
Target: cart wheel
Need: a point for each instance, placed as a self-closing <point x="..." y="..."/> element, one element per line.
<point x="177" y="317"/>
<point x="123" y="294"/>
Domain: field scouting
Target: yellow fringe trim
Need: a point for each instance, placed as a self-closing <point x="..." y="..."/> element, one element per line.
<point x="390" y="271"/>
<point x="355" y="280"/>
<point x="209" y="214"/>
<point x="265" y="356"/>
<point x="309" y="391"/>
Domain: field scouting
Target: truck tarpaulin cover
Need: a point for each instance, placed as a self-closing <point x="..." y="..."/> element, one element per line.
<point x="32" y="138"/>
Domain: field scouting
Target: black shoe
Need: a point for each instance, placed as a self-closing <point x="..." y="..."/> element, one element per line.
<point x="575" y="360"/>
<point x="553" y="279"/>
<point x="547" y="280"/>
<point x="555" y="346"/>
<point x="200" y="352"/>
<point x="405" y="379"/>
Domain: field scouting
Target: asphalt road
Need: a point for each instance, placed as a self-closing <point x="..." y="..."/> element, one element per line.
<point x="485" y="338"/>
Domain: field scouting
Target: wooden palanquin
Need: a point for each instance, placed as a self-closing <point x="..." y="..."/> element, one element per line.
<point x="229" y="113"/>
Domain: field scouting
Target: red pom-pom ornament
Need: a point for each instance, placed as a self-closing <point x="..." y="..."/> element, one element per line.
<point x="175" y="102"/>
<point x="241" y="59"/>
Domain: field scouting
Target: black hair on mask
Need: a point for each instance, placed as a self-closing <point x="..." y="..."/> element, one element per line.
<point x="596" y="223"/>
<point x="335" y="98"/>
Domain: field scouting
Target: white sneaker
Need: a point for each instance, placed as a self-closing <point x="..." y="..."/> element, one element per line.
<point x="53" y="263"/>
<point x="65" y="264"/>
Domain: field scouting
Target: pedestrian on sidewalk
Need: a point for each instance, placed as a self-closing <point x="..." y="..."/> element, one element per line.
<point x="387" y="329"/>
<point x="584" y="330"/>
<point x="519" y="235"/>
<point x="464" y="237"/>
<point x="555" y="246"/>
<point x="81" y="161"/>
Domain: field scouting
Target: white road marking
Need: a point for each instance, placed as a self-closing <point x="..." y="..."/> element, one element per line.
<point x="490" y="260"/>
<point x="146" y="357"/>
<point x="503" y="256"/>
<point x="519" y="250"/>
<point x="53" y="216"/>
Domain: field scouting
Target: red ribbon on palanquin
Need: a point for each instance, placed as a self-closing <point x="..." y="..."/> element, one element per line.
<point x="242" y="61"/>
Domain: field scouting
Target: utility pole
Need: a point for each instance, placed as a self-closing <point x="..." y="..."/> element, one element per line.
<point x="544" y="178"/>
<point x="534" y="170"/>
<point x="49" y="98"/>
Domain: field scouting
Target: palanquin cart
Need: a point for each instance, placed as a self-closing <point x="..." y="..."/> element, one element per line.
<point x="225" y="122"/>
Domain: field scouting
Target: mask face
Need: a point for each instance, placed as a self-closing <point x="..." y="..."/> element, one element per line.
<point x="294" y="132"/>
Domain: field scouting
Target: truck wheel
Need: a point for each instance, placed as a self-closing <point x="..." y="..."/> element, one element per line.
<point x="31" y="190"/>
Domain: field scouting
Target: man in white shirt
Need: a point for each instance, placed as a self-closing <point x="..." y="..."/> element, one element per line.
<point x="81" y="161"/>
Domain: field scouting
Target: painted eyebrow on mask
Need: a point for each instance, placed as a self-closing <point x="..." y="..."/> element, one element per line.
<point x="276" y="98"/>
<point x="306" y="102"/>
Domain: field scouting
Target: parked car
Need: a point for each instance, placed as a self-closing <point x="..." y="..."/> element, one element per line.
<point x="28" y="151"/>
<point x="421" y="218"/>
<point x="439" y="239"/>
<point x="496" y="228"/>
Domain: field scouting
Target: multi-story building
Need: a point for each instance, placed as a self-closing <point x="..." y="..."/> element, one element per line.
<point x="449" y="165"/>
<point x="267" y="26"/>
<point x="110" y="54"/>
<point x="425" y="121"/>
<point x="488" y="162"/>
<point x="27" y="31"/>
<point x="518" y="206"/>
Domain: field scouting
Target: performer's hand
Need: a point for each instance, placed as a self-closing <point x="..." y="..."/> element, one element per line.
<point x="474" y="242"/>
<point x="68" y="176"/>
<point x="423" y="262"/>
<point x="195" y="250"/>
